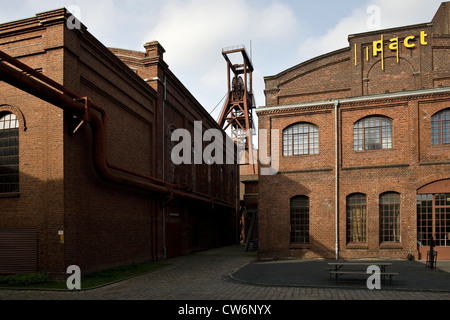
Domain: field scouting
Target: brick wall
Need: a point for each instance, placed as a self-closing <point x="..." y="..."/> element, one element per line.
<point x="308" y="92"/>
<point x="403" y="169"/>
<point x="178" y="110"/>
<point x="40" y="202"/>
<point x="106" y="224"/>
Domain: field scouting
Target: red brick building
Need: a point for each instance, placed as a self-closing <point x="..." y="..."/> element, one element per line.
<point x="90" y="182"/>
<point x="363" y="148"/>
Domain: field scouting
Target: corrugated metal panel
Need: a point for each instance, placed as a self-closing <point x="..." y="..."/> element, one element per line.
<point x="18" y="251"/>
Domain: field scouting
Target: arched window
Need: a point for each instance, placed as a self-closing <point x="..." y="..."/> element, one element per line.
<point x="390" y="217"/>
<point x="300" y="139"/>
<point x="440" y="127"/>
<point x="372" y="133"/>
<point x="433" y="213"/>
<point x="356" y="218"/>
<point x="300" y="220"/>
<point x="9" y="153"/>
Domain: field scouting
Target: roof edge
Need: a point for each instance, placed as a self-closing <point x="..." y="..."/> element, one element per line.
<point x="394" y="95"/>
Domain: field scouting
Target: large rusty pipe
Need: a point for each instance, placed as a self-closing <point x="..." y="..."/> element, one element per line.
<point x="74" y="95"/>
<point x="101" y="164"/>
<point x="65" y="101"/>
<point x="26" y="83"/>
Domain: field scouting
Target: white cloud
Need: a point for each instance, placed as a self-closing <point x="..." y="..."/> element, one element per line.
<point x="406" y="12"/>
<point x="193" y="33"/>
<point x="197" y="29"/>
<point x="189" y="29"/>
<point x="103" y="19"/>
<point x="336" y="37"/>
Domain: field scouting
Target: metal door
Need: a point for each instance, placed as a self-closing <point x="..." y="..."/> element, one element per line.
<point x="18" y="251"/>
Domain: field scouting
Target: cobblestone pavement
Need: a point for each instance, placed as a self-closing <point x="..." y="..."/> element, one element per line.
<point x="204" y="276"/>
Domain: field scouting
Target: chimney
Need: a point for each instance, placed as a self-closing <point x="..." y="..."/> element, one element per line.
<point x="154" y="49"/>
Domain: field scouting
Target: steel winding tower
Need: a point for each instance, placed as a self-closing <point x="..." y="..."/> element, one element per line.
<point x="238" y="108"/>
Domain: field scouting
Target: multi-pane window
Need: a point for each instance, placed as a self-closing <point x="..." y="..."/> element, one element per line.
<point x="442" y="216"/>
<point x="300" y="220"/>
<point x="9" y="153"/>
<point x="356" y="218"/>
<point x="424" y="218"/>
<point x="440" y="127"/>
<point x="372" y="133"/>
<point x="390" y="217"/>
<point x="300" y="139"/>
<point x="433" y="218"/>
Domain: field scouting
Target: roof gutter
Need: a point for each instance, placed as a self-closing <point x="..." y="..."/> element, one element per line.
<point x="394" y="95"/>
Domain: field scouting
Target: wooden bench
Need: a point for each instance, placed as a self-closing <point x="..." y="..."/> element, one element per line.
<point x="382" y="274"/>
<point x="339" y="267"/>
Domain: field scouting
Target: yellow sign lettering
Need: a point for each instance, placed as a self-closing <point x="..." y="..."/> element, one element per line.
<point x="378" y="48"/>
<point x="423" y="35"/>
<point x="408" y="43"/>
<point x="394" y="45"/>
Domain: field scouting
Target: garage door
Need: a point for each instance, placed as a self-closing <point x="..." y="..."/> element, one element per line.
<point x="18" y="251"/>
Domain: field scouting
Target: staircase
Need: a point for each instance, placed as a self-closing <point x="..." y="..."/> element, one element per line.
<point x="251" y="243"/>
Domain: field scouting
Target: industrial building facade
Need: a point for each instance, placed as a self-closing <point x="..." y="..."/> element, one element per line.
<point x="85" y="155"/>
<point x="363" y="149"/>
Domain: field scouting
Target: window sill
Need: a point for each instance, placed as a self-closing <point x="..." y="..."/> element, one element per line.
<point x="299" y="246"/>
<point x="441" y="145"/>
<point x="301" y="155"/>
<point x="394" y="245"/>
<point x="10" y="195"/>
<point x="357" y="246"/>
<point x="375" y="150"/>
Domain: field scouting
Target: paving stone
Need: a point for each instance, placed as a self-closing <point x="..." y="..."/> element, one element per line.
<point x="204" y="276"/>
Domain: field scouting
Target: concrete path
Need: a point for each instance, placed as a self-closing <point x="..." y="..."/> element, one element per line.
<point x="224" y="274"/>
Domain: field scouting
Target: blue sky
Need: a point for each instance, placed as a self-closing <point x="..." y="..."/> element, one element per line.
<point x="282" y="33"/>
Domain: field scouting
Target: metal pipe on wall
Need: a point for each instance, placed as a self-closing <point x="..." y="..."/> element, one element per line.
<point x="336" y="186"/>
<point x="75" y="96"/>
<point x="163" y="154"/>
<point x="70" y="101"/>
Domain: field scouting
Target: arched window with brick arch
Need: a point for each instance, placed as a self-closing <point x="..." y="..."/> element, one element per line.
<point x="299" y="220"/>
<point x="301" y="139"/>
<point x="9" y="153"/>
<point x="371" y="133"/>
<point x="440" y="127"/>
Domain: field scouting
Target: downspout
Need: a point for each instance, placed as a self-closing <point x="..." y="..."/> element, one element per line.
<point x="164" y="162"/>
<point x="336" y="186"/>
